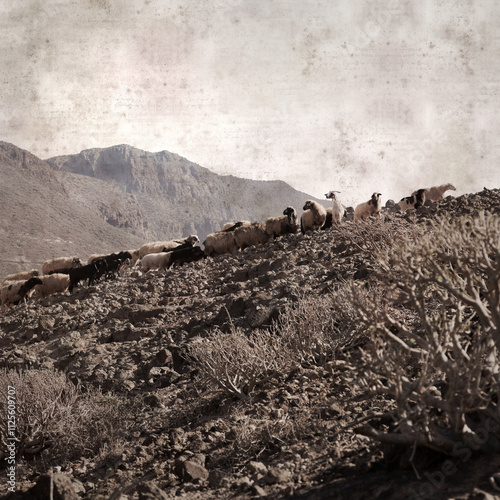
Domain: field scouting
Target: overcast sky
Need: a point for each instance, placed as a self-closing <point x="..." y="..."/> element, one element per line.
<point x="371" y="95"/>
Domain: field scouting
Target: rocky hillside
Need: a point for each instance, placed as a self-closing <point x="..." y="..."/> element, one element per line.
<point x="130" y="336"/>
<point x="176" y="197"/>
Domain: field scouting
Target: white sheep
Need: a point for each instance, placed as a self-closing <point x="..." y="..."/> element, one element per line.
<point x="53" y="283"/>
<point x="159" y="260"/>
<point x="165" y="246"/>
<point x="368" y="208"/>
<point x="13" y="292"/>
<point x="60" y="265"/>
<point x="313" y="217"/>
<point x="436" y="193"/>
<point x="337" y="209"/>
<point x="219" y="243"/>
<point x="23" y="275"/>
<point x="252" y="235"/>
<point x="231" y="226"/>
<point x="284" y="224"/>
<point x="416" y="200"/>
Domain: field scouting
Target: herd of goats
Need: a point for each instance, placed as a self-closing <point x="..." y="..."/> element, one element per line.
<point x="64" y="273"/>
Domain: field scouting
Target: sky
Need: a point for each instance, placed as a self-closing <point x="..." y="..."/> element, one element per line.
<point x="355" y="96"/>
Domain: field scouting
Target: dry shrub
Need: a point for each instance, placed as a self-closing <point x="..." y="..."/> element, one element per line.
<point x="54" y="415"/>
<point x="435" y="330"/>
<point x="237" y="363"/>
<point x="370" y="236"/>
<point x="314" y="330"/>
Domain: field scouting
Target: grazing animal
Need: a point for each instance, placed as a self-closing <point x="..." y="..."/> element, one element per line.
<point x="368" y="208"/>
<point x="26" y="275"/>
<point x="14" y="292"/>
<point x="337" y="209"/>
<point x="160" y="260"/>
<point x="186" y="255"/>
<point x="165" y="260"/>
<point x="219" y="243"/>
<point x="436" y="193"/>
<point x="252" y="235"/>
<point x="231" y="226"/>
<point x="52" y="283"/>
<point x="284" y="224"/>
<point x="313" y="217"/>
<point x="88" y="272"/>
<point x="60" y="265"/>
<point x="416" y="200"/>
<point x="160" y="246"/>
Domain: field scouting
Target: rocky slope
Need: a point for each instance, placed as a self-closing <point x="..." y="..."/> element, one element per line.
<point x="129" y="336"/>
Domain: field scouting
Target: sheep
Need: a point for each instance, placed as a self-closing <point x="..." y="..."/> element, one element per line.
<point x="252" y="235"/>
<point x="231" y="226"/>
<point x="436" y="193"/>
<point x="185" y="255"/>
<point x="370" y="207"/>
<point x="285" y="224"/>
<point x="15" y="291"/>
<point x="24" y="275"/>
<point x="60" y="265"/>
<point x="416" y="200"/>
<point x="52" y="283"/>
<point x="90" y="272"/>
<point x="160" y="260"/>
<point x="219" y="243"/>
<point x="313" y="217"/>
<point x="160" y="246"/>
<point x="337" y="210"/>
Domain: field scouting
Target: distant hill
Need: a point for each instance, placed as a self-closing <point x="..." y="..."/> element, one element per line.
<point x="169" y="196"/>
<point x="104" y="200"/>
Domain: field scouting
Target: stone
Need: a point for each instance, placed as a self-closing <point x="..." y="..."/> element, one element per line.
<point x="62" y="487"/>
<point x="149" y="490"/>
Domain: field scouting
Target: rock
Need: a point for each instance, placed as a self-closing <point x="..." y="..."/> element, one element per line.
<point x="257" y="468"/>
<point x="62" y="488"/>
<point x="275" y="476"/>
<point x="150" y="491"/>
<point x="191" y="471"/>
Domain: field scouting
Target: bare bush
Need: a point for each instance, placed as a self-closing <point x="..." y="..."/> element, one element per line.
<point x="314" y="330"/>
<point x="54" y="415"/>
<point x="435" y="330"/>
<point x="237" y="363"/>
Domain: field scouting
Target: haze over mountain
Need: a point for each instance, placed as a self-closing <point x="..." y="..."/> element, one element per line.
<point x="104" y="200"/>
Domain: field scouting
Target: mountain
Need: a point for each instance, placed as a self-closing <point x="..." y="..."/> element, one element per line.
<point x="105" y="200"/>
<point x="173" y="196"/>
<point x="41" y="218"/>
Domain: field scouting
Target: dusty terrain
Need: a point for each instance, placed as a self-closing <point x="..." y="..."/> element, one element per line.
<point x="293" y="437"/>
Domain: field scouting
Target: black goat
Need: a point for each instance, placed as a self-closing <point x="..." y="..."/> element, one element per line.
<point x="184" y="255"/>
<point x="90" y="272"/>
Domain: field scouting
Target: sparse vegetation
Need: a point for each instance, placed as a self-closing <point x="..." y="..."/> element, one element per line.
<point x="435" y="329"/>
<point x="60" y="419"/>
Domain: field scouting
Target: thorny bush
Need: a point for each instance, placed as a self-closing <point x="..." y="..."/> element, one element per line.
<point x="60" y="419"/>
<point x="435" y="330"/>
<point x="237" y="363"/>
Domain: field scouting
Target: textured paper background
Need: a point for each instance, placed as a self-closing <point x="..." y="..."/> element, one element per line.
<point x="386" y="95"/>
